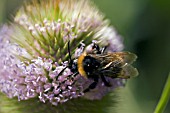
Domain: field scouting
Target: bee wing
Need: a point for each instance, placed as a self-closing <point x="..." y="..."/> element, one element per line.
<point x="128" y="71"/>
<point x="117" y="64"/>
<point x="127" y="57"/>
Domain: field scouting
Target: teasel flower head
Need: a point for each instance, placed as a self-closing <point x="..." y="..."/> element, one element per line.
<point x="34" y="50"/>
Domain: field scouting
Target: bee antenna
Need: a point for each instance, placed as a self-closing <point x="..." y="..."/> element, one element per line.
<point x="70" y="60"/>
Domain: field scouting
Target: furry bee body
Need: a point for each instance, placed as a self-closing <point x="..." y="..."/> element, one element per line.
<point x="114" y="65"/>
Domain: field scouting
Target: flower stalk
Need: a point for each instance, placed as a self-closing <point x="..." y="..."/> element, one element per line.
<point x="164" y="97"/>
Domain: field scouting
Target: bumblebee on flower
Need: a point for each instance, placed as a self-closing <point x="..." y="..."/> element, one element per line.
<point x="36" y="62"/>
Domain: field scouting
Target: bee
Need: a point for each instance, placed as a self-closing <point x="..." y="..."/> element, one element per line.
<point x="100" y="64"/>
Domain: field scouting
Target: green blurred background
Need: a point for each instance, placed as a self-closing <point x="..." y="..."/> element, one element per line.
<point x="145" y="26"/>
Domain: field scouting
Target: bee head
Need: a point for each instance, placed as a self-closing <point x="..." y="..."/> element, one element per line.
<point x="73" y="66"/>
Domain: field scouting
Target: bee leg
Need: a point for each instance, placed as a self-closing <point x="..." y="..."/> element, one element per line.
<point x="61" y="72"/>
<point x="73" y="75"/>
<point x="92" y="86"/>
<point x="103" y="49"/>
<point x="106" y="83"/>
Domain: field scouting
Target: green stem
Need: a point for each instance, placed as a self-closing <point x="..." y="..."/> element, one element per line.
<point x="164" y="97"/>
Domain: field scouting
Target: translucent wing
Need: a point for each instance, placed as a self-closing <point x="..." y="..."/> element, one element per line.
<point x="128" y="71"/>
<point x="117" y="64"/>
<point x="127" y="57"/>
